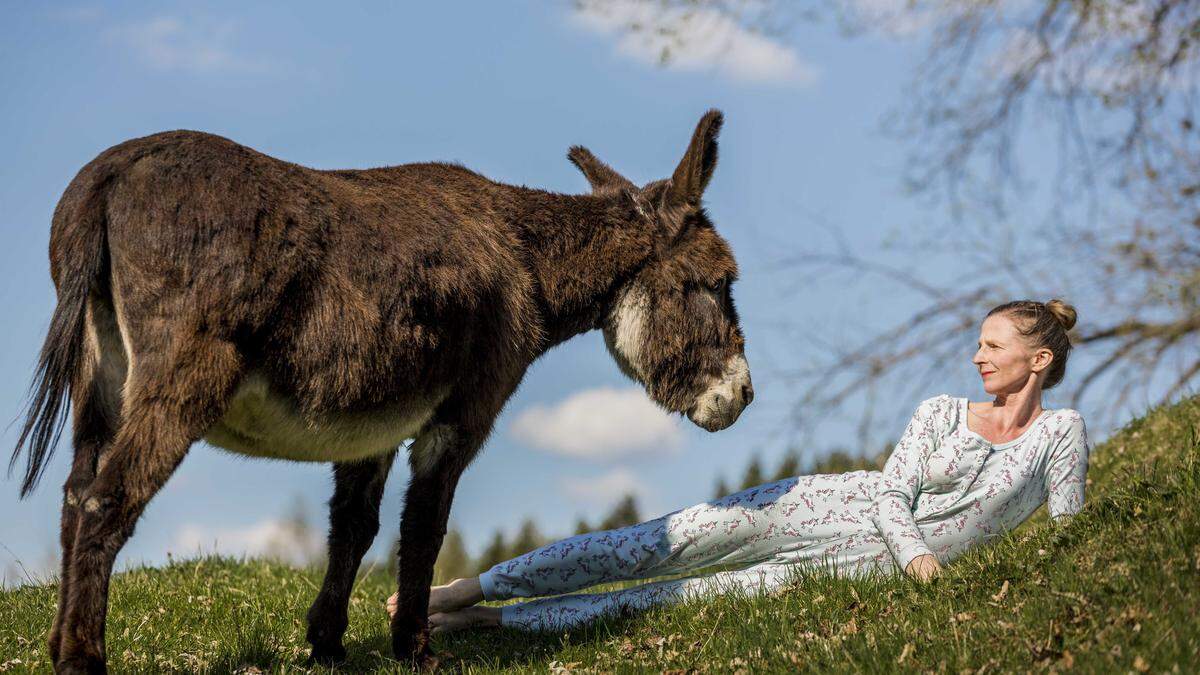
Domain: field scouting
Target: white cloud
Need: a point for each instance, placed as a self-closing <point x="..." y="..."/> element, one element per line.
<point x="693" y="39"/>
<point x="605" y="490"/>
<point x="602" y="423"/>
<point x="167" y="43"/>
<point x="270" y="538"/>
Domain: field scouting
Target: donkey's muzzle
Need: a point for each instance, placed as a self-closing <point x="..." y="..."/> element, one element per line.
<point x="722" y="403"/>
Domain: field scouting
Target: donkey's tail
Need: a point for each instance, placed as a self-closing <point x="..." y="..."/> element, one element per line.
<point x="78" y="257"/>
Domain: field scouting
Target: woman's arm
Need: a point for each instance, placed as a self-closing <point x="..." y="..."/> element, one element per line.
<point x="1067" y="471"/>
<point x="899" y="487"/>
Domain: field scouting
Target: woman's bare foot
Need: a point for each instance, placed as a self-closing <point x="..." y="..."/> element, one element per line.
<point x="454" y="595"/>
<point x="469" y="617"/>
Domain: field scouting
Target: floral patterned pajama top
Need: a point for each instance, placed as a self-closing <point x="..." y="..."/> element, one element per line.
<point x="943" y="490"/>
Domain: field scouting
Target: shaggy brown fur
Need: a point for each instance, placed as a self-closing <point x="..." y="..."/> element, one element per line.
<point x="191" y="270"/>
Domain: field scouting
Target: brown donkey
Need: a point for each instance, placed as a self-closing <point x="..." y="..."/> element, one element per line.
<point x="207" y="291"/>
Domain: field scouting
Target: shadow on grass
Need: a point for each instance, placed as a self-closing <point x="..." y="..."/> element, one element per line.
<point x="488" y="649"/>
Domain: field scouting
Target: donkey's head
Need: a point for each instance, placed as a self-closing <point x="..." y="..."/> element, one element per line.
<point x="673" y="326"/>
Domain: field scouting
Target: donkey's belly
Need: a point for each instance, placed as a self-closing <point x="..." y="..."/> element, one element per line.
<point x="262" y="423"/>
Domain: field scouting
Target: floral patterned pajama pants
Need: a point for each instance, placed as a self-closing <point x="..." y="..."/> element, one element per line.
<point x="811" y="520"/>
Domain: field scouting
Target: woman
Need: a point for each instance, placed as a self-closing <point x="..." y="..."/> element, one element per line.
<point x="962" y="474"/>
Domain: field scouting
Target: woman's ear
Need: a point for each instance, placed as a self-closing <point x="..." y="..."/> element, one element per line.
<point x="1042" y="359"/>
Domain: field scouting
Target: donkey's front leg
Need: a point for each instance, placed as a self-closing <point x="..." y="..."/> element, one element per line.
<point x="353" y="524"/>
<point x="437" y="459"/>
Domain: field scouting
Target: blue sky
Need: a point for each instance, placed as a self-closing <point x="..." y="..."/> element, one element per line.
<point x="504" y="88"/>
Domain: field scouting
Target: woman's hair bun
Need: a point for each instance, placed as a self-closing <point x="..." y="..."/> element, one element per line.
<point x="1065" y="314"/>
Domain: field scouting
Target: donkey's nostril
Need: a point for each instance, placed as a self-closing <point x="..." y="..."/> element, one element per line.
<point x="747" y="394"/>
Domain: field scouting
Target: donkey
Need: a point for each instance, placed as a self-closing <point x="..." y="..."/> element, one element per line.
<point x="207" y="291"/>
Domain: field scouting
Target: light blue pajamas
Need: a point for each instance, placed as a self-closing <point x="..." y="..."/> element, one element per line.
<point x="943" y="490"/>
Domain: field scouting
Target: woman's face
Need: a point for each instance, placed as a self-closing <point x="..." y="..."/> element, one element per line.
<point x="1005" y="359"/>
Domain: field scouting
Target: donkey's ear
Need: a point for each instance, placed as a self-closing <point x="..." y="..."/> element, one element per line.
<point x="696" y="167"/>
<point x="599" y="175"/>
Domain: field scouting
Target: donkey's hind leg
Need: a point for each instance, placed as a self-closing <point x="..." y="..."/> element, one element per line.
<point x="92" y="433"/>
<point x="96" y="399"/>
<point x="353" y="524"/>
<point x="174" y="395"/>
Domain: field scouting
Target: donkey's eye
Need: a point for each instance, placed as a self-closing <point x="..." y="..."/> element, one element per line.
<point x="719" y="287"/>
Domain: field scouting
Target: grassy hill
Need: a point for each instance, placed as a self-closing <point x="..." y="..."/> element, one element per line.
<point x="1115" y="589"/>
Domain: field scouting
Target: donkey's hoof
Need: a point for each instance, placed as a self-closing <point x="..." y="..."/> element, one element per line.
<point x="327" y="655"/>
<point x="81" y="665"/>
<point x="415" y="651"/>
<point x="425" y="662"/>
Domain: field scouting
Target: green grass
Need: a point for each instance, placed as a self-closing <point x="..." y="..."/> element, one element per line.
<point x="1115" y="589"/>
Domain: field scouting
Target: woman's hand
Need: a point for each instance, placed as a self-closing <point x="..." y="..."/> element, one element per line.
<point x="923" y="567"/>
